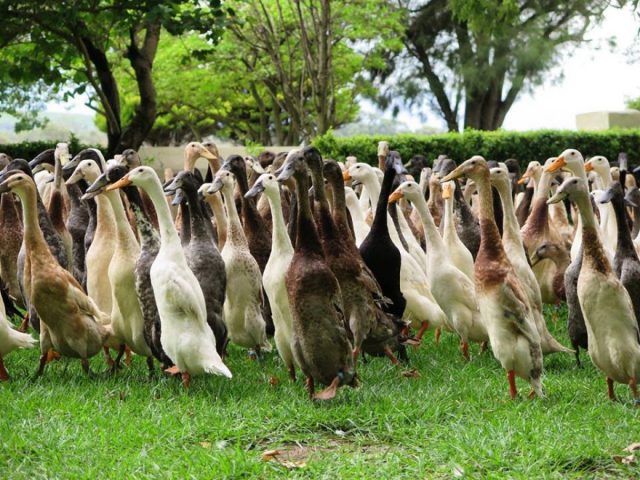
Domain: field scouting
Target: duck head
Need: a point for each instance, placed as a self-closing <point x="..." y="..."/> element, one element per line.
<point x="4" y="160"/>
<point x="16" y="181"/>
<point x="570" y="159"/>
<point x="86" y="154"/>
<point x="473" y="168"/>
<point x="18" y="164"/>
<point x="548" y="250"/>
<point x="139" y="176"/>
<point x="534" y="170"/>
<point x="85" y="170"/>
<point x="409" y="190"/>
<point x="267" y="182"/>
<point x="294" y="163"/>
<point x="193" y="151"/>
<point x="572" y="188"/>
<point x="224" y="179"/>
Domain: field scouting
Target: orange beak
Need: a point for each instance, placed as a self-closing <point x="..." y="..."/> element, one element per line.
<point x="588" y="166"/>
<point x="446" y="191"/>
<point x="123" y="182"/>
<point x="556" y="165"/>
<point x="395" y="196"/>
<point x="523" y="178"/>
<point x="346" y="176"/>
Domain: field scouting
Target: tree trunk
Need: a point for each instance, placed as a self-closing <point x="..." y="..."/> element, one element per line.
<point x="141" y="59"/>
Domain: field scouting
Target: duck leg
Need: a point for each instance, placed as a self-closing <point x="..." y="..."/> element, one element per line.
<point x="310" y="387"/>
<point x="577" y="349"/>
<point x="116" y="363"/>
<point x="356" y="352"/>
<point x="150" y="366"/>
<point x="85" y="367"/>
<point x="483" y="347"/>
<point x="127" y="358"/>
<point x="610" y="392"/>
<point x="392" y="357"/>
<point x="513" y="391"/>
<point x="437" y="334"/>
<point x="423" y="328"/>
<point x="107" y="357"/>
<point x="42" y="364"/>
<point x="186" y="379"/>
<point x="292" y="373"/>
<point x="4" y="375"/>
<point x="24" y="325"/>
<point x="464" y="348"/>
<point x="329" y="392"/>
<point x="633" y="385"/>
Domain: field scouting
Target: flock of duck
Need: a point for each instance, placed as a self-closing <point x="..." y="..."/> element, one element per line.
<point x="336" y="261"/>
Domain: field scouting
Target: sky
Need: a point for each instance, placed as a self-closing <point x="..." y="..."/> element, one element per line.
<point x="594" y="78"/>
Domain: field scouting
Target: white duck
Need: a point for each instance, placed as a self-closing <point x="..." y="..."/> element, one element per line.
<point x="273" y="278"/>
<point x="360" y="226"/>
<point x="243" y="300"/>
<point x="451" y="288"/>
<point x="186" y="337"/>
<point x="614" y="339"/>
<point x="608" y="224"/>
<point x="460" y="254"/>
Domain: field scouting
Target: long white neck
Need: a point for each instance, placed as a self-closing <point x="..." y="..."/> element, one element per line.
<point x="236" y="233"/>
<point x="280" y="241"/>
<point x="168" y="234"/>
<point x="434" y="240"/>
<point x="372" y="185"/>
<point x="510" y="227"/>
<point x="123" y="229"/>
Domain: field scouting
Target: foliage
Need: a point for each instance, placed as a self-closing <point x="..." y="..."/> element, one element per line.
<point x="66" y="49"/>
<point x="258" y="84"/>
<point x="471" y="59"/>
<point x="634" y="103"/>
<point x="497" y="145"/>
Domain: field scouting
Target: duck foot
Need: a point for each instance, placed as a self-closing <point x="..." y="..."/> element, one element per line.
<point x="390" y="355"/>
<point x="310" y="386"/>
<point x="611" y="394"/>
<point x="172" y="370"/>
<point x="4" y="375"/>
<point x="411" y="341"/>
<point x="127" y="357"/>
<point x="513" y="391"/>
<point x="186" y="379"/>
<point x="329" y="392"/>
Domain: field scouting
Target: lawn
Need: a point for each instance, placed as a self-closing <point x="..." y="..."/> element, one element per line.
<point x="454" y="420"/>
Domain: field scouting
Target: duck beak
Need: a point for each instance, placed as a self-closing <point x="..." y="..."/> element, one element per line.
<point x="556" y="165"/>
<point x="395" y="196"/>
<point x="346" y="176"/>
<point x="457" y="173"/>
<point x="523" y="179"/>
<point x="123" y="182"/>
<point x="535" y="259"/>
<point x="558" y="197"/>
<point x="588" y="166"/>
<point x="446" y="191"/>
<point x="207" y="154"/>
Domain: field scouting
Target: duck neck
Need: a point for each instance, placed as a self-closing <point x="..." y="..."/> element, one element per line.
<point x="33" y="236"/>
<point x="279" y="237"/>
<point x="625" y="243"/>
<point x="510" y="221"/>
<point x="543" y="186"/>
<point x="217" y="207"/>
<point x="146" y="232"/>
<point x="123" y="228"/>
<point x="592" y="251"/>
<point x="449" y="221"/>
<point x="236" y="233"/>
<point x="168" y="234"/>
<point x="197" y="217"/>
<point x="307" y="238"/>
<point x="374" y="191"/>
<point x="434" y="240"/>
<point x="490" y="242"/>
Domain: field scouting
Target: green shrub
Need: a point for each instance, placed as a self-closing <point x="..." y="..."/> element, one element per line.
<point x="29" y="150"/>
<point x="498" y="145"/>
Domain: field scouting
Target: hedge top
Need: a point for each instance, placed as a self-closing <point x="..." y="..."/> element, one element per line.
<point x="498" y="145"/>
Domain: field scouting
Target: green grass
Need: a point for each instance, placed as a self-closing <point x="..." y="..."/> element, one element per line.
<point x="456" y="419"/>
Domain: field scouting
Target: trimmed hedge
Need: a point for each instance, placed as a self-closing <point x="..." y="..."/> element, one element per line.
<point x="29" y="150"/>
<point x="498" y="145"/>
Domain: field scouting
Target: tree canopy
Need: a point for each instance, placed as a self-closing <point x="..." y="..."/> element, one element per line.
<point x="72" y="48"/>
<point x="471" y="59"/>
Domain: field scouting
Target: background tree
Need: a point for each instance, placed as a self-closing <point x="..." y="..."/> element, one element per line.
<point x="284" y="71"/>
<point x="73" y="47"/>
<point x="472" y="59"/>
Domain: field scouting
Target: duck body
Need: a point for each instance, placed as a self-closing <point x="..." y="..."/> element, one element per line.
<point x="274" y="276"/>
<point x="243" y="297"/>
<point x="186" y="338"/>
<point x="10" y="339"/>
<point x="319" y="339"/>
<point x="10" y="243"/>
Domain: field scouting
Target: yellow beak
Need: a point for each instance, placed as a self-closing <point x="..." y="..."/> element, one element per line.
<point x="446" y="191"/>
<point x="346" y="176"/>
<point x="123" y="182"/>
<point x="588" y="166"/>
<point x="556" y="165"/>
